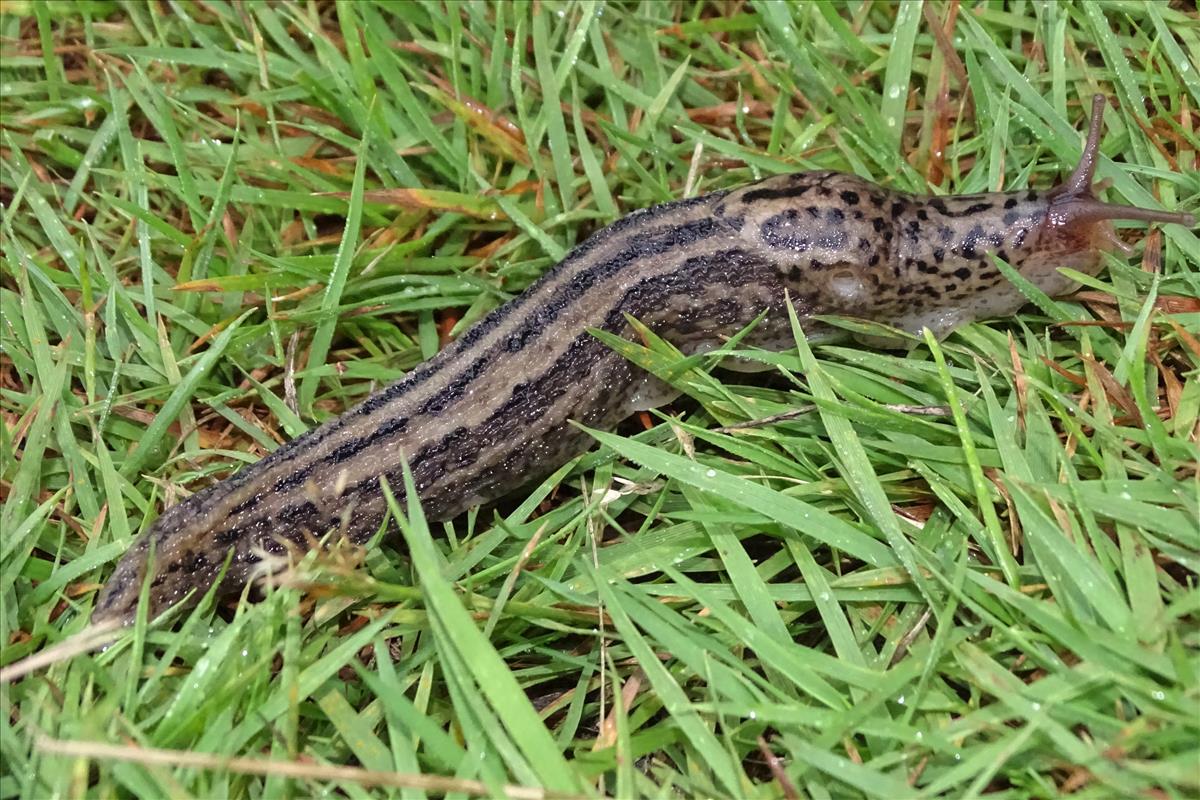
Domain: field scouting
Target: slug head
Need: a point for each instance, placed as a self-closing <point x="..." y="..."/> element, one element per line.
<point x="1077" y="227"/>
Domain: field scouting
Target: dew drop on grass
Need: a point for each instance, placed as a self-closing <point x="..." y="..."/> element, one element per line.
<point x="900" y="700"/>
<point x="712" y="473"/>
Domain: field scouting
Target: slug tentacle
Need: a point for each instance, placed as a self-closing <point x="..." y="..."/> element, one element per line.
<point x="1074" y="200"/>
<point x="1081" y="178"/>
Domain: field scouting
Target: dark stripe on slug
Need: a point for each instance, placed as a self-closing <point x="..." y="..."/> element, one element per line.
<point x="493" y="320"/>
<point x="541" y="321"/>
<point x="940" y="206"/>
<point x="497" y="316"/>
<point x="654" y="242"/>
<point x="529" y="402"/>
<point x="789" y="192"/>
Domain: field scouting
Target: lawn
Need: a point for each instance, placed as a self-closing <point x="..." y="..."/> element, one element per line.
<point x="965" y="568"/>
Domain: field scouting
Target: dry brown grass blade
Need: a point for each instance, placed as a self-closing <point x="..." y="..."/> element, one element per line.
<point x="87" y="639"/>
<point x="288" y="769"/>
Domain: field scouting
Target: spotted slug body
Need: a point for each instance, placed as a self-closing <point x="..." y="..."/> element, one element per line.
<point x="494" y="410"/>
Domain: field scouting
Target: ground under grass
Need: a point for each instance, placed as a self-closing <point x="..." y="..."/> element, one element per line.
<point x="968" y="568"/>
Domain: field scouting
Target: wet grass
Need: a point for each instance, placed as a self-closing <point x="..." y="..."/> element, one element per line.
<point x="966" y="568"/>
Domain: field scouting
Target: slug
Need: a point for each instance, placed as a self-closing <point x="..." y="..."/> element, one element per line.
<point x="494" y="409"/>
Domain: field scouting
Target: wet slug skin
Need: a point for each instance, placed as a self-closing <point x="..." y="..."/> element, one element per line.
<point x="494" y="410"/>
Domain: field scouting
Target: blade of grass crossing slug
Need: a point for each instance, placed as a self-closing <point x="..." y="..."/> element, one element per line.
<point x="855" y="463"/>
<point x="487" y="669"/>
<point x="323" y="336"/>
<point x="994" y="542"/>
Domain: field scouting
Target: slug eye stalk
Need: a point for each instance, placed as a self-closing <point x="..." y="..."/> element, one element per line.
<point x="1073" y="202"/>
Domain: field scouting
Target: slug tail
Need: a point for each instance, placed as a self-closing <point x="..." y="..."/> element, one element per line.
<point x="1073" y="202"/>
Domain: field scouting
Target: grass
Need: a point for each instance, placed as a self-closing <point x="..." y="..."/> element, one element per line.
<point x="964" y="569"/>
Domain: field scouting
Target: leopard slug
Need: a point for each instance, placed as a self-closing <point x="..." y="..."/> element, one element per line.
<point x="494" y="409"/>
